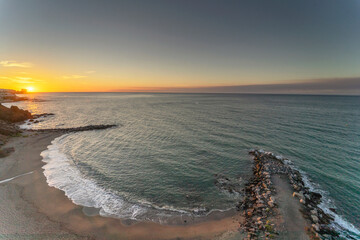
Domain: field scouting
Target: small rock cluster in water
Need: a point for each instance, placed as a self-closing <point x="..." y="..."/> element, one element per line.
<point x="259" y="204"/>
<point x="39" y="117"/>
<point x="228" y="185"/>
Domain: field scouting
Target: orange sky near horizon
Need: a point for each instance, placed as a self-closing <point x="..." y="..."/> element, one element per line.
<point x="28" y="75"/>
<point x="19" y="75"/>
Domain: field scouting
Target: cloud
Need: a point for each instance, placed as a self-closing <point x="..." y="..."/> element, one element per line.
<point x="5" y="78"/>
<point x="15" y="64"/>
<point x="346" y="86"/>
<point x="24" y="80"/>
<point x="74" y="76"/>
<point x="77" y="76"/>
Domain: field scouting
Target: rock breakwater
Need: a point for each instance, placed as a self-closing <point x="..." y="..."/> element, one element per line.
<point x="259" y="205"/>
<point x="76" y="129"/>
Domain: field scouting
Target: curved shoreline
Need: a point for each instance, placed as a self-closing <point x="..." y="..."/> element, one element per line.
<point x="58" y="169"/>
<point x="52" y="203"/>
<point x="59" y="210"/>
<point x="261" y="212"/>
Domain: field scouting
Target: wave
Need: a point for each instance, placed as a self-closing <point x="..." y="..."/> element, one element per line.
<point x="61" y="172"/>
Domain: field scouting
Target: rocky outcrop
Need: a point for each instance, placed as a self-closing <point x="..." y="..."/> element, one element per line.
<point x="8" y="95"/>
<point x="39" y="118"/>
<point x="35" y="116"/>
<point x="14" y="114"/>
<point x="13" y="99"/>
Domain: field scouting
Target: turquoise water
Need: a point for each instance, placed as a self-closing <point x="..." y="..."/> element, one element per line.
<point x="162" y="158"/>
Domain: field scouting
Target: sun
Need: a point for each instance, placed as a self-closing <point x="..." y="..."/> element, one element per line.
<point x="30" y="89"/>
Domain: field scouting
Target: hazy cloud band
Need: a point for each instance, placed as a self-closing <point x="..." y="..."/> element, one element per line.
<point x="349" y="86"/>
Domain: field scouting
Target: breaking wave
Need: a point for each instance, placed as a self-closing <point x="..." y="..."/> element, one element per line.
<point x="61" y="172"/>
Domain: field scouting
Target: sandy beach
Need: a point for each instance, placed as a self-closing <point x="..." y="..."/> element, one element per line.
<point x="33" y="210"/>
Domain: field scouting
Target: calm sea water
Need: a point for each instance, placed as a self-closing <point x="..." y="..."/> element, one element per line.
<point x="162" y="158"/>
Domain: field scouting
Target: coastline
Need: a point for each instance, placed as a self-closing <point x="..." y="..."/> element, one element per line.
<point x="67" y="220"/>
<point x="278" y="214"/>
<point x="49" y="206"/>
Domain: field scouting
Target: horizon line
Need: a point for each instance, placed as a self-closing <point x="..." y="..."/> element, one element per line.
<point x="234" y="93"/>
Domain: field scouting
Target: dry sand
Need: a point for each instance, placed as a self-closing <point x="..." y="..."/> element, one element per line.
<point x="291" y="224"/>
<point x="30" y="209"/>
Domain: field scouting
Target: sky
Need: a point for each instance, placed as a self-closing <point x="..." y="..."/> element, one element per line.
<point x="304" y="46"/>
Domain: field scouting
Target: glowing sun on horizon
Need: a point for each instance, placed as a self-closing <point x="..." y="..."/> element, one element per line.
<point x="30" y="89"/>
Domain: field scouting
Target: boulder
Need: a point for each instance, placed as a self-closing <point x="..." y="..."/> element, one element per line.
<point x="331" y="232"/>
<point x="298" y="195"/>
<point x="315" y="197"/>
<point x="314" y="212"/>
<point x="314" y="218"/>
<point x="333" y="210"/>
<point x="316" y="227"/>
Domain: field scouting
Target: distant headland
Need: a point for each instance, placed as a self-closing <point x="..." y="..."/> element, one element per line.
<point x="9" y="95"/>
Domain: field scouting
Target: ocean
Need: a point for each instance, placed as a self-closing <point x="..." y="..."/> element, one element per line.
<point x="161" y="160"/>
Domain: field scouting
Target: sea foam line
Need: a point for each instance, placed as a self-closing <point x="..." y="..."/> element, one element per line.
<point x="61" y="172"/>
<point x="10" y="179"/>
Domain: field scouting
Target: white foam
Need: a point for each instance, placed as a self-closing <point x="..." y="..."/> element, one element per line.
<point x="62" y="173"/>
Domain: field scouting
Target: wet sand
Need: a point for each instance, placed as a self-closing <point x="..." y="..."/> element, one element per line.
<point x="31" y="209"/>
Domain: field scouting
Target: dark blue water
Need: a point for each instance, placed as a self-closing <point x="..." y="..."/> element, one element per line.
<point x="162" y="158"/>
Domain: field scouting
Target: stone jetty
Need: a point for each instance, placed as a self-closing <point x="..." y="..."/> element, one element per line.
<point x="75" y="129"/>
<point x="260" y="207"/>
